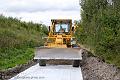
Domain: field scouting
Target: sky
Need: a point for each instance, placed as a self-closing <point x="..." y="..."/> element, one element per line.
<point x="40" y="11"/>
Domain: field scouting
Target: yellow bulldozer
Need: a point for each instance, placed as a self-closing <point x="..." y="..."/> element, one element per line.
<point x="60" y="43"/>
<point x="60" y="34"/>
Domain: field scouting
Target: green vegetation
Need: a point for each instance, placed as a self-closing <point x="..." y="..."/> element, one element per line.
<point x="17" y="41"/>
<point x="100" y="29"/>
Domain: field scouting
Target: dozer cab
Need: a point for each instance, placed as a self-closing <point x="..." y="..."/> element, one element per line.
<point x="60" y="34"/>
<point x="60" y="44"/>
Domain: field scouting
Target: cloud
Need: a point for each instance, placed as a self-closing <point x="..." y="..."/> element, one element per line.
<point x="40" y="10"/>
<point x="38" y="5"/>
<point x="46" y="16"/>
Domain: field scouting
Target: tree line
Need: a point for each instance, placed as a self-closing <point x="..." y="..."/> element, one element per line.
<point x="99" y="28"/>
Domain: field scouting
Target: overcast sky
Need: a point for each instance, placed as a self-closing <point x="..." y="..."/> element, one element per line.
<point x="40" y="10"/>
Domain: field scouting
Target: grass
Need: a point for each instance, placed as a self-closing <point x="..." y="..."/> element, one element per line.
<point x="17" y="41"/>
<point x="15" y="57"/>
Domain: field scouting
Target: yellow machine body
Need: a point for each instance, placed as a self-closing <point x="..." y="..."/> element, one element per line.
<point x="60" y="34"/>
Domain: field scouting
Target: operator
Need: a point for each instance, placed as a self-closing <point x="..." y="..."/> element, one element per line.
<point x="61" y="30"/>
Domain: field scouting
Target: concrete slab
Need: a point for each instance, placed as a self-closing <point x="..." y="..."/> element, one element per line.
<point x="58" y="53"/>
<point x="50" y="72"/>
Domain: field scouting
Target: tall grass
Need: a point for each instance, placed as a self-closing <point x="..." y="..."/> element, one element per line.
<point x="17" y="41"/>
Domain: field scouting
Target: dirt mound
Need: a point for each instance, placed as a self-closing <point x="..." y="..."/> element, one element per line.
<point x="95" y="69"/>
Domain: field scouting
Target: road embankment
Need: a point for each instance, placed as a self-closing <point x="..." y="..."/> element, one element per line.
<point x="94" y="68"/>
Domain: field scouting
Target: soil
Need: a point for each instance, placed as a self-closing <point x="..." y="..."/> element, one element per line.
<point x="94" y="68"/>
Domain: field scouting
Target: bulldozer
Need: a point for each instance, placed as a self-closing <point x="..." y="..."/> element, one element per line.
<point x="60" y="43"/>
<point x="60" y="34"/>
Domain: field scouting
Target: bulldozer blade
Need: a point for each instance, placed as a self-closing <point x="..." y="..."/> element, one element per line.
<point x="58" y="53"/>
